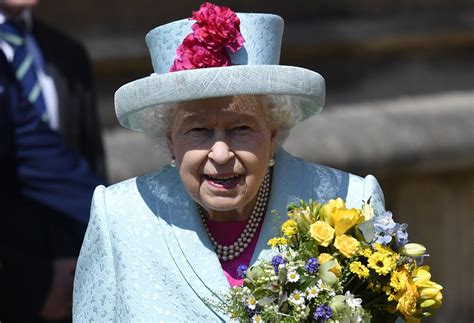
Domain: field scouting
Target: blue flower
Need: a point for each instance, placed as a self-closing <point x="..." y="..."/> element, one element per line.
<point x="311" y="265"/>
<point x="387" y="230"/>
<point x="401" y="235"/>
<point x="277" y="261"/>
<point x="323" y="311"/>
<point x="384" y="222"/>
<point x="242" y="271"/>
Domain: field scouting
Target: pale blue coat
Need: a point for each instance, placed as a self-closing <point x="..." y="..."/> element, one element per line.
<point x="147" y="258"/>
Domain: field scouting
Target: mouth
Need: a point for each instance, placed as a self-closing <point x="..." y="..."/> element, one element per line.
<point x="226" y="181"/>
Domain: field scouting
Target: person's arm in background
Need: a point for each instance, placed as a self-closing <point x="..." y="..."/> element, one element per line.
<point x="30" y="285"/>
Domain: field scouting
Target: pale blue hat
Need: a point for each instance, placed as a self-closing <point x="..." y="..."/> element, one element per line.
<point x="255" y="71"/>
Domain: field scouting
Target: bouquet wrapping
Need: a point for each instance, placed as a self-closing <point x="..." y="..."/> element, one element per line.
<point x="336" y="264"/>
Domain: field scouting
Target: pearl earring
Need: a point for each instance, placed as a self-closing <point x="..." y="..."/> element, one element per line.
<point x="271" y="162"/>
<point x="173" y="162"/>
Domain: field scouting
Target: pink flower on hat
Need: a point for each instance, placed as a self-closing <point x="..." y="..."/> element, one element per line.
<point x="217" y="26"/>
<point x="217" y="29"/>
<point x="192" y="54"/>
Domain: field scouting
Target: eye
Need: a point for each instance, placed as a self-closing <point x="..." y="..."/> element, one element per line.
<point x="197" y="130"/>
<point x="241" y="128"/>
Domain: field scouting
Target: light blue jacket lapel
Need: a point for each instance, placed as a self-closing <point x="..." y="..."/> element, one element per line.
<point x="188" y="242"/>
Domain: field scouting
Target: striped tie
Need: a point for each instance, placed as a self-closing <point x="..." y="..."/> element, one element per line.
<point x="23" y="66"/>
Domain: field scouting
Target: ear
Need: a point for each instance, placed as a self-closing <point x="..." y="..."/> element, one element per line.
<point x="169" y="142"/>
<point x="274" y="140"/>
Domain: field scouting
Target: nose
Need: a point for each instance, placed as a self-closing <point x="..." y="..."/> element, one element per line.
<point x="220" y="152"/>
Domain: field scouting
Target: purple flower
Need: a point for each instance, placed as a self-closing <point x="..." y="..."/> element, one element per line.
<point x="311" y="265"/>
<point x="251" y="312"/>
<point x="277" y="261"/>
<point x="323" y="311"/>
<point x="242" y="271"/>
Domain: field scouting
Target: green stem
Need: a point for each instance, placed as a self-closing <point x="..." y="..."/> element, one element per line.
<point x="375" y="300"/>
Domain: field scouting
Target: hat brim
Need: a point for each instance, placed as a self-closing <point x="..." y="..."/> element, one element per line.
<point x="168" y="88"/>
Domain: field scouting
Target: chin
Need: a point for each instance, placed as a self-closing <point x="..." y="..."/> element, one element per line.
<point x="222" y="203"/>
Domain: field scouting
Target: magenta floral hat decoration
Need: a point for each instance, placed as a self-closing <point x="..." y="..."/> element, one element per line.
<point x="217" y="53"/>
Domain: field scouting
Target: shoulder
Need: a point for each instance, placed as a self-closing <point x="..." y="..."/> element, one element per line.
<point x="327" y="182"/>
<point x="134" y="195"/>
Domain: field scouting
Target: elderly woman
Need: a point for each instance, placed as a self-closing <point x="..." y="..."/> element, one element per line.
<point x="160" y="246"/>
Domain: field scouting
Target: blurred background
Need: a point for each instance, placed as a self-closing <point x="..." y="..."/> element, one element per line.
<point x="400" y="104"/>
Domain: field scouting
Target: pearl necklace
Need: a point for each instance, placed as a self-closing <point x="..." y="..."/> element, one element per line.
<point x="230" y="252"/>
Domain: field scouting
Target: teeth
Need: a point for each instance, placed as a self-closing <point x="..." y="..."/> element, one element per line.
<point x="223" y="177"/>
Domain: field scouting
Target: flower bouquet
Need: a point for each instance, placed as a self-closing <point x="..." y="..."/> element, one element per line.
<point x="336" y="264"/>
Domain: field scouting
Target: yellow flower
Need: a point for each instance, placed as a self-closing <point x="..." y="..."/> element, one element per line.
<point x="323" y="257"/>
<point x="430" y="292"/>
<point x="384" y="250"/>
<point x="408" y="299"/>
<point x="413" y="249"/>
<point x="359" y="269"/>
<point x="322" y="232"/>
<point x="365" y="252"/>
<point x="375" y="286"/>
<point x="328" y="208"/>
<point x="344" y="219"/>
<point x="277" y="242"/>
<point x="347" y="245"/>
<point x="398" y="279"/>
<point x="290" y="228"/>
<point x="380" y="262"/>
<point x="388" y="252"/>
<point x="387" y="289"/>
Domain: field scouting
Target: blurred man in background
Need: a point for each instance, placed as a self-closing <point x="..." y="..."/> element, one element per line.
<point x="51" y="159"/>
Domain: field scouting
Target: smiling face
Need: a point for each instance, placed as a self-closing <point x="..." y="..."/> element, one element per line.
<point x="222" y="147"/>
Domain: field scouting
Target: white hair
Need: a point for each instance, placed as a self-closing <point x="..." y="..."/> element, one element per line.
<point x="283" y="112"/>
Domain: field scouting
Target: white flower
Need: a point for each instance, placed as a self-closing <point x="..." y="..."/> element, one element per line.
<point x="252" y="303"/>
<point x="312" y="292"/>
<point x="297" y="297"/>
<point x="257" y="319"/>
<point x="293" y="276"/>
<point x="352" y="302"/>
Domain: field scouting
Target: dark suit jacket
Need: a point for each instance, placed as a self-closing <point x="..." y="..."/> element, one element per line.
<point x="31" y="235"/>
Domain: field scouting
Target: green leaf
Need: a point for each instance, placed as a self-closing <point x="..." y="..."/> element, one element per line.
<point x="266" y="301"/>
<point x="324" y="273"/>
<point x="255" y="272"/>
<point x="259" y="292"/>
<point x="368" y="230"/>
<point x="327" y="265"/>
<point x="328" y="277"/>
